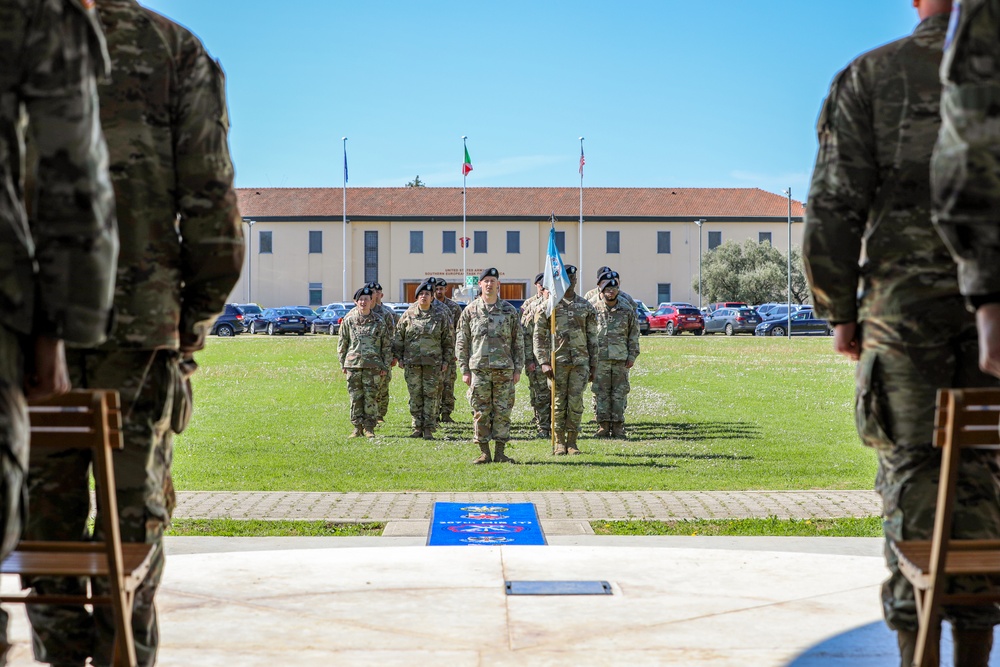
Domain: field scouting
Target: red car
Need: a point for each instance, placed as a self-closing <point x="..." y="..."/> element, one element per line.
<point x="676" y="319"/>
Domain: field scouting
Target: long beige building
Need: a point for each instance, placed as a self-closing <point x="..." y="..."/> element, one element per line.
<point x="400" y="236"/>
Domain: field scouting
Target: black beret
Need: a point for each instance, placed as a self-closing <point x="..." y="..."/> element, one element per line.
<point x="489" y="273"/>
<point x="601" y="271"/>
<point x="570" y="270"/>
<point x="539" y="278"/>
<point x="440" y="282"/>
<point x="608" y="275"/>
<point x="426" y="286"/>
<point x="364" y="291"/>
<point x="374" y="286"/>
<point x="610" y="282"/>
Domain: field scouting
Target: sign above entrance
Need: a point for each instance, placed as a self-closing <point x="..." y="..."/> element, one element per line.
<point x="470" y="281"/>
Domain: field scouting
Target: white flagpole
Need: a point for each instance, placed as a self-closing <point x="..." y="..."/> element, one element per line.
<point x="579" y="262"/>
<point x="344" y="291"/>
<point x="465" y="242"/>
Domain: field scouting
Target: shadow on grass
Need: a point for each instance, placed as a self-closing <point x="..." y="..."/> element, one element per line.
<point x="584" y="461"/>
<point x="693" y="431"/>
<point x="682" y="455"/>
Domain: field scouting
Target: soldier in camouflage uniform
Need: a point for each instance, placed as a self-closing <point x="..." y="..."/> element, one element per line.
<point x="164" y="115"/>
<point x="447" y="403"/>
<point x="56" y="280"/>
<point x="870" y="203"/>
<point x="423" y="343"/>
<point x="365" y="349"/>
<point x="390" y="317"/>
<point x="541" y="396"/>
<point x="594" y="295"/>
<point x="618" y="347"/>
<point x="575" y="357"/>
<point x="490" y="351"/>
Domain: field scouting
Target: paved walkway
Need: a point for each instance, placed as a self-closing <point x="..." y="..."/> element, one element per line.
<point x="551" y="505"/>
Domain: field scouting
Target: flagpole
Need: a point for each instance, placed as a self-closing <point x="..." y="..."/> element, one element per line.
<point x="344" y="224"/>
<point x="552" y="358"/>
<point x="579" y="267"/>
<point x="465" y="241"/>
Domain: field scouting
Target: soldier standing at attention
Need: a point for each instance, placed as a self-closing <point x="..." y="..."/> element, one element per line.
<point x="365" y="349"/>
<point x="490" y="352"/>
<point x="576" y="360"/>
<point x="618" y="347"/>
<point x="594" y="296"/>
<point x="164" y="115"/>
<point x="56" y="274"/>
<point x="909" y="330"/>
<point x="422" y="345"/>
<point x="541" y="397"/>
<point x="390" y="317"/>
<point x="447" y="403"/>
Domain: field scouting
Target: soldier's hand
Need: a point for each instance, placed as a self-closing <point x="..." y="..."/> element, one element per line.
<point x="394" y="362"/>
<point x="467" y="378"/>
<point x="847" y="340"/>
<point x="531" y="367"/>
<point x="988" y="323"/>
<point x="547" y="371"/>
<point x="629" y="364"/>
<point x="593" y="376"/>
<point x="517" y="378"/>
<point x="344" y="371"/>
<point x="444" y="367"/>
<point x="382" y="373"/>
<point x="50" y="376"/>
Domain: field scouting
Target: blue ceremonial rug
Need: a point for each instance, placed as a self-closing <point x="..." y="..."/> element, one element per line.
<point x="461" y="524"/>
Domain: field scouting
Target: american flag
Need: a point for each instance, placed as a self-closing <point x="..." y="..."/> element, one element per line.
<point x="583" y="160"/>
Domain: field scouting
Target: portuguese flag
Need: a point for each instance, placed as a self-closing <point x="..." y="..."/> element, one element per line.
<point x="467" y="165"/>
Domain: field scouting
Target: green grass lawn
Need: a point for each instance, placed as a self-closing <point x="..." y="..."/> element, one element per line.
<point x="770" y="527"/>
<point x="708" y="413"/>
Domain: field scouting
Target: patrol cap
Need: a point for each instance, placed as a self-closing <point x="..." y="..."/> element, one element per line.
<point x="364" y="291"/>
<point x="570" y="270"/>
<point x="610" y="282"/>
<point x="489" y="273"/>
<point x="374" y="286"/>
<point x="601" y="271"/>
<point x="539" y="279"/>
<point x="426" y="286"/>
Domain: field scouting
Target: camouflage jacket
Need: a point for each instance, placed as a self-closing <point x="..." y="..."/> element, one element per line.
<point x="55" y="275"/>
<point x="454" y="311"/>
<point x="871" y="190"/>
<point x="365" y="341"/>
<point x="165" y="118"/>
<point x="489" y="337"/>
<point x="594" y="297"/>
<point x="617" y="331"/>
<point x="424" y="338"/>
<point x="576" y="334"/>
<point x="529" y="309"/>
<point x="388" y="314"/>
<point x="966" y="167"/>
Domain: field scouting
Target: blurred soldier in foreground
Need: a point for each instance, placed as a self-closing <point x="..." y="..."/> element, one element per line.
<point x="56" y="275"/>
<point x="390" y="317"/>
<point x="490" y="352"/>
<point x="365" y="350"/>
<point x="909" y="330"/>
<point x="447" y="402"/>
<point x="541" y="397"/>
<point x="164" y="115"/>
<point x="618" y="347"/>
<point x="423" y="342"/>
<point x="576" y="361"/>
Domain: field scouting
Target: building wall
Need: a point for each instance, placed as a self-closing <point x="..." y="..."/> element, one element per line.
<point x="283" y="276"/>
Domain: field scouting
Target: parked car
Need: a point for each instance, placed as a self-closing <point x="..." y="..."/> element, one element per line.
<point x="517" y="303"/>
<point x="679" y="304"/>
<point x="279" y="321"/>
<point x="251" y="312"/>
<point x="778" y="311"/>
<point x="230" y="322"/>
<point x="643" y="322"/>
<point x="804" y="323"/>
<point x="732" y="321"/>
<point x="712" y="307"/>
<point x="345" y="305"/>
<point x="398" y="308"/>
<point x="329" y="320"/>
<point x="676" y="319"/>
<point x="306" y="312"/>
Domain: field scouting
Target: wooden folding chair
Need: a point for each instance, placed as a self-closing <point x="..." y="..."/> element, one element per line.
<point x="85" y="420"/>
<point x="966" y="419"/>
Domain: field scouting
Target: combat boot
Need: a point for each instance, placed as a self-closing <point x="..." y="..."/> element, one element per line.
<point x="484" y="447"/>
<point x="499" y="456"/>
<point x="358" y="432"/>
<point x="571" y="447"/>
<point x="972" y="647"/>
<point x="370" y="429"/>
<point x="618" y="430"/>
<point x="446" y="419"/>
<point x="416" y="433"/>
<point x="544" y="434"/>
<point x="603" y="430"/>
<point x="560" y="446"/>
<point x="428" y="433"/>
<point x="907" y="640"/>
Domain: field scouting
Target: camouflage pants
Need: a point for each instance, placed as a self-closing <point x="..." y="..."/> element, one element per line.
<point x="363" y="386"/>
<point x="382" y="396"/>
<point x="896" y="387"/>
<point x="610" y="389"/>
<point x="59" y="504"/>
<point x="424" y="384"/>
<point x="571" y="382"/>
<point x="447" y="402"/>
<point x="491" y="396"/>
<point x="13" y="453"/>
<point x="541" y="398"/>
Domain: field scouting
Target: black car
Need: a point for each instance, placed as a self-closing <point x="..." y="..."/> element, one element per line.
<point x="251" y="312"/>
<point x="230" y="322"/>
<point x="642" y="315"/>
<point x="279" y="321"/>
<point x="329" y="321"/>
<point x="306" y="312"/>
<point x="804" y="323"/>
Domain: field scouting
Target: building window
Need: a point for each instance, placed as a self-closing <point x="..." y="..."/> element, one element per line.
<point x="613" y="243"/>
<point x="478" y="242"/>
<point x="764" y="237"/>
<point x="448" y="242"/>
<point x="315" y="243"/>
<point x="371" y="256"/>
<point x="513" y="243"/>
<point x="264" y="243"/>
<point x="315" y="294"/>
<point x="662" y="292"/>
<point x="416" y="243"/>
<point x="561" y="241"/>
<point x="714" y="240"/>
<point x="663" y="244"/>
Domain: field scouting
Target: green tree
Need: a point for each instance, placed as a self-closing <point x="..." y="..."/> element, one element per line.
<point x="752" y="272"/>
<point x="416" y="183"/>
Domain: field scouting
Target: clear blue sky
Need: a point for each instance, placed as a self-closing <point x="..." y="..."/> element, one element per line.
<point x="685" y="93"/>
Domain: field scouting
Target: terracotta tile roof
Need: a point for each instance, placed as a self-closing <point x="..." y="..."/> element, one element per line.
<point x="391" y="203"/>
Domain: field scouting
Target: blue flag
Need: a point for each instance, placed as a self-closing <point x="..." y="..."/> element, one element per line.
<point x="345" y="165"/>
<point x="555" y="280"/>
